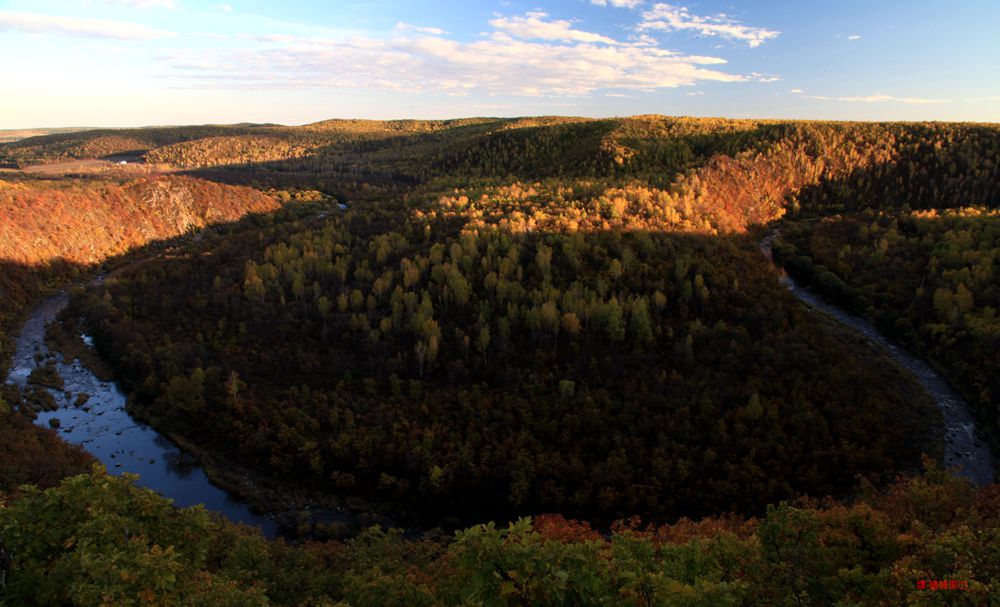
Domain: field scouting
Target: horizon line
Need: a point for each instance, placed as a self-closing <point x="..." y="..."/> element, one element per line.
<point x="78" y="128"/>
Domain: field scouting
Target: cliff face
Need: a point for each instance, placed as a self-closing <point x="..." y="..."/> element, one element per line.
<point x="47" y="228"/>
<point x="84" y="223"/>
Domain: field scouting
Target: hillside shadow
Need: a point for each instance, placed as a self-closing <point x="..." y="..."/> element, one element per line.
<point x="23" y="284"/>
<point x="902" y="270"/>
<point x="751" y="335"/>
<point x="498" y="151"/>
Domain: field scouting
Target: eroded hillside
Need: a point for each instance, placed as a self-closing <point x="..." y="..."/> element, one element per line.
<point x="52" y="229"/>
<point x="86" y="222"/>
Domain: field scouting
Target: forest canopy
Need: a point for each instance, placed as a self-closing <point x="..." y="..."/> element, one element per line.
<point x="561" y="316"/>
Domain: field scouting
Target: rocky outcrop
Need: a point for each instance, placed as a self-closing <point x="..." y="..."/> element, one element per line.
<point x="87" y="222"/>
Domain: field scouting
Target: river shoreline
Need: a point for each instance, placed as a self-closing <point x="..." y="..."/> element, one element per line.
<point x="101" y="425"/>
<point x="91" y="411"/>
<point x="965" y="450"/>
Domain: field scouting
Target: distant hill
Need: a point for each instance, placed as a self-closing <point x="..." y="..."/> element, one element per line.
<point x="96" y="143"/>
<point x="11" y="135"/>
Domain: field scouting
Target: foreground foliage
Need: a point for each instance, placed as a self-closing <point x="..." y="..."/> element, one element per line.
<point x="97" y="539"/>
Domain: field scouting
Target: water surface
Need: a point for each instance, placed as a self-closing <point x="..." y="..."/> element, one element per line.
<point x="109" y="433"/>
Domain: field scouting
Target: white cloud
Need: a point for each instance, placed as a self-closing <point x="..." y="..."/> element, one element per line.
<point x="695" y="94"/>
<point x="667" y="17"/>
<point x="552" y="63"/>
<point x="643" y="39"/>
<point x="434" y="31"/>
<point x="533" y="26"/>
<point x="854" y="37"/>
<point x="226" y="8"/>
<point x="880" y="98"/>
<point x="171" y="4"/>
<point x="32" y="23"/>
<point x="765" y="78"/>
<point x="978" y="99"/>
<point x="796" y="91"/>
<point x="618" y="3"/>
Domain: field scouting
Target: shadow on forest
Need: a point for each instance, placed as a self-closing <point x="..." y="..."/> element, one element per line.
<point x="24" y="285"/>
<point x="598" y="456"/>
<point x="601" y="454"/>
<point x="490" y="151"/>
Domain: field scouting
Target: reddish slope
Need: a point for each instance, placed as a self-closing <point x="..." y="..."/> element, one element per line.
<point x="87" y="222"/>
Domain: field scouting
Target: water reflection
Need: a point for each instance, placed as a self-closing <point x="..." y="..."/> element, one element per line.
<point x="103" y="427"/>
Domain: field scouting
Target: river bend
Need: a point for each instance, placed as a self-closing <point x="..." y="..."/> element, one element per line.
<point x="109" y="433"/>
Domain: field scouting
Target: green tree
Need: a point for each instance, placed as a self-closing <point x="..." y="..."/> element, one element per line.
<point x="640" y="324"/>
<point x="483" y="341"/>
<point x="99" y="540"/>
<point x="614" y="322"/>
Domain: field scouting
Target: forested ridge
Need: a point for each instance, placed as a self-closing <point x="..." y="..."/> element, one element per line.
<point x="86" y="221"/>
<point x="489" y="318"/>
<point x="550" y="374"/>
<point x="210" y="145"/>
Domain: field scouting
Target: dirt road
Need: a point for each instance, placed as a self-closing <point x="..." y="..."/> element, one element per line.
<point x="109" y="165"/>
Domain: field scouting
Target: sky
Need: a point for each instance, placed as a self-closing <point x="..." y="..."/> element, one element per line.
<point x="155" y="62"/>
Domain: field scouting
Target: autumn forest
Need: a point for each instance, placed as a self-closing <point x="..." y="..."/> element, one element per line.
<point x="534" y="361"/>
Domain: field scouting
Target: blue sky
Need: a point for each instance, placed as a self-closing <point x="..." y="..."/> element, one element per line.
<point x="144" y="62"/>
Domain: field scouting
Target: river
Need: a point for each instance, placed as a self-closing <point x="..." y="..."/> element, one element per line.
<point x="104" y="428"/>
<point x="108" y="432"/>
<point x="964" y="450"/>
